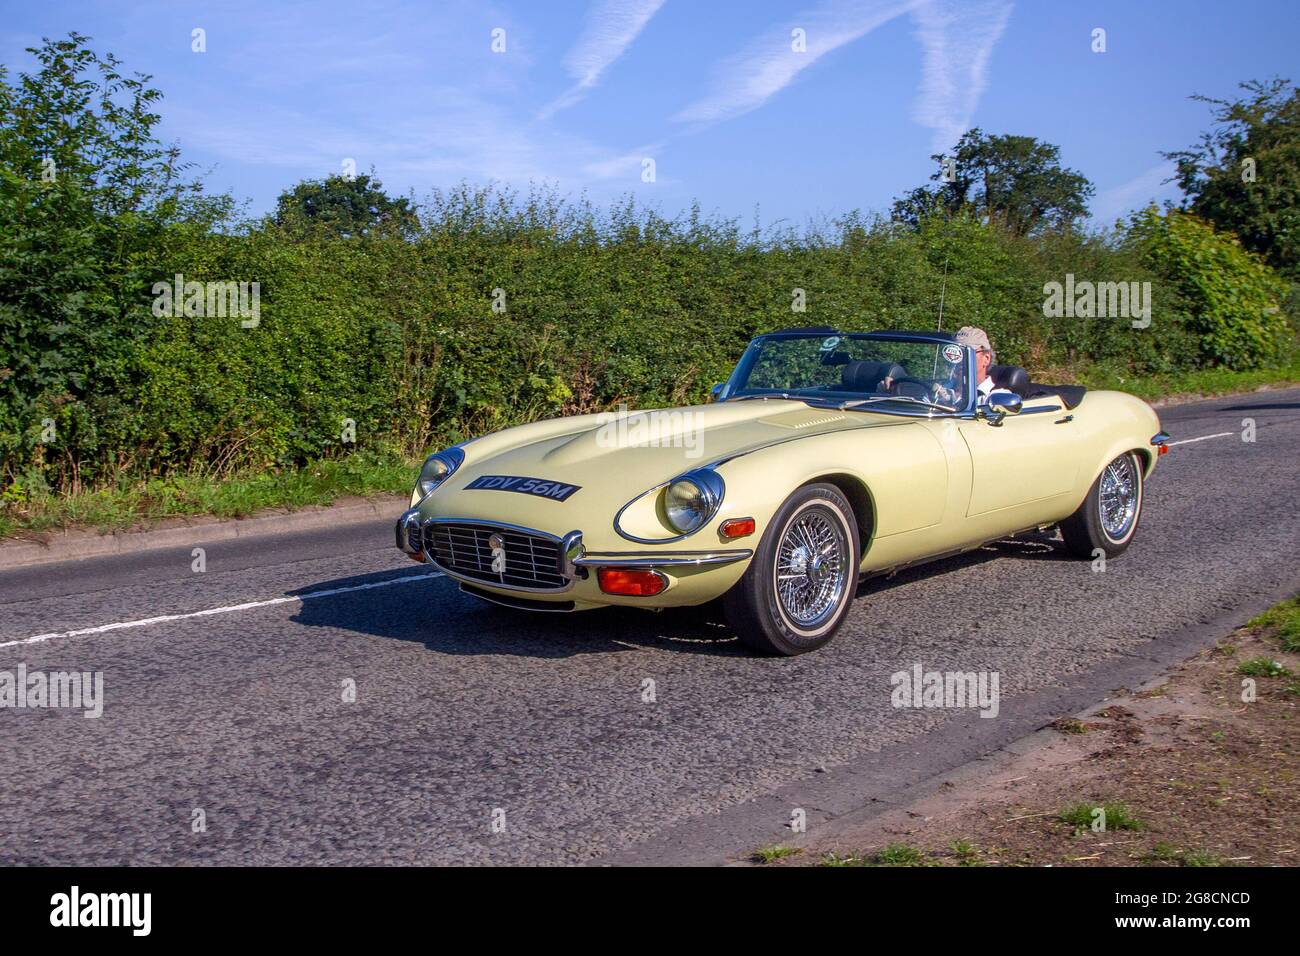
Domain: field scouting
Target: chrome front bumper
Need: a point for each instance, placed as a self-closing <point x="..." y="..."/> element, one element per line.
<point x="574" y="560"/>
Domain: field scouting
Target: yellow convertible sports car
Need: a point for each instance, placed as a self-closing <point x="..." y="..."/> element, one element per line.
<point x="826" y="457"/>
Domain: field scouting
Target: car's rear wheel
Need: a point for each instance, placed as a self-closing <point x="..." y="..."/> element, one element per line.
<point x="798" y="588"/>
<point x="1108" y="517"/>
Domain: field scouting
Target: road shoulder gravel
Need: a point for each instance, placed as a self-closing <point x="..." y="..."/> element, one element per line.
<point x="853" y="804"/>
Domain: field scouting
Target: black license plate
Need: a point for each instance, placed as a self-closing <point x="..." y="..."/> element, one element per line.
<point x="554" y="490"/>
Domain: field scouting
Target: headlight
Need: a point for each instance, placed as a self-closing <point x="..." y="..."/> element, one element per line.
<point x="691" y="500"/>
<point x="438" y="468"/>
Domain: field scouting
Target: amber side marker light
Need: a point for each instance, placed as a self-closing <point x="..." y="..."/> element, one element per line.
<point x="636" y="582"/>
<point x="1164" y="450"/>
<point x="737" y="527"/>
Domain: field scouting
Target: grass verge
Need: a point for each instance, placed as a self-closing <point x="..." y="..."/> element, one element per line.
<point x="1199" y="771"/>
<point x="1175" y="386"/>
<point x="140" y="504"/>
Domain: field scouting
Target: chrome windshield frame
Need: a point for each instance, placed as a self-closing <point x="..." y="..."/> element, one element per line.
<point x="964" y="409"/>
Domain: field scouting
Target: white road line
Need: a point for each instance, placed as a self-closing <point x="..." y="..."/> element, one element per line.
<point x="208" y="612"/>
<point x="1188" y="441"/>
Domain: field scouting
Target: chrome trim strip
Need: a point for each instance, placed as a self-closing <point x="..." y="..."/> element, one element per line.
<point x="570" y="552"/>
<point x="619" y="516"/>
<point x="648" y="559"/>
<point x="493" y="524"/>
<point x="403" y="530"/>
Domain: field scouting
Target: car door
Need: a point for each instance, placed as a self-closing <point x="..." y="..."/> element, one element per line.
<point x="1023" y="464"/>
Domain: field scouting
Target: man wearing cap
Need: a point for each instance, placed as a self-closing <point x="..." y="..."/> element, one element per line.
<point x="977" y="339"/>
<point x="950" y="392"/>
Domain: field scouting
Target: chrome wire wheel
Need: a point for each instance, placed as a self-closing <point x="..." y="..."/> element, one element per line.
<point x="1120" y="496"/>
<point x="812" y="570"/>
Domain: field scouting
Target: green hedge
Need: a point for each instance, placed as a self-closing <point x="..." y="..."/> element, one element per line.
<point x="399" y="335"/>
<point x="393" y="329"/>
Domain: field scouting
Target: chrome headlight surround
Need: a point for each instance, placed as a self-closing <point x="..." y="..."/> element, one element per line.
<point x="690" y="500"/>
<point x="437" y="468"/>
<point x="711" y="489"/>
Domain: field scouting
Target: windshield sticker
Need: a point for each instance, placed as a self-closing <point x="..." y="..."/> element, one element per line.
<point x="952" y="354"/>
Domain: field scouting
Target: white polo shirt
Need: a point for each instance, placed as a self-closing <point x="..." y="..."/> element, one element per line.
<point x="986" y="388"/>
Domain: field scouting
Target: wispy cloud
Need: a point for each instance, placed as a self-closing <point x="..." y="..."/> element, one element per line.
<point x="611" y="27"/>
<point x="957" y="38"/>
<point x="416" y="101"/>
<point x="454" y="137"/>
<point x="1150" y="186"/>
<point x="767" y="65"/>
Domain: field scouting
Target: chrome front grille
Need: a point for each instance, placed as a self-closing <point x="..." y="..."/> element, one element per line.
<point x="532" y="560"/>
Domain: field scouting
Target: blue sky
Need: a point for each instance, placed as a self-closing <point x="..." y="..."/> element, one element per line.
<point x="713" y="92"/>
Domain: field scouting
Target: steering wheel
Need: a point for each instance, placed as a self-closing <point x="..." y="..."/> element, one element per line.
<point x="909" y="387"/>
<point x="941" y="394"/>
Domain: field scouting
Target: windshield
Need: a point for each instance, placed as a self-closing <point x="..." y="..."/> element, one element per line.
<point x="853" y="370"/>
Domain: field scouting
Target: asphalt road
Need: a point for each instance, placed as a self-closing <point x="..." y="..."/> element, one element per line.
<point x="468" y="716"/>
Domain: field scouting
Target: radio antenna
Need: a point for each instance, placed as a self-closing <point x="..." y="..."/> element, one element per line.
<point x="943" y="287"/>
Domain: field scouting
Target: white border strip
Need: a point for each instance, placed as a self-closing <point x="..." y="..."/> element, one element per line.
<point x="208" y="612"/>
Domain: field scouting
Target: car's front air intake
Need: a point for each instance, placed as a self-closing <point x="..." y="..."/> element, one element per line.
<point x="496" y="554"/>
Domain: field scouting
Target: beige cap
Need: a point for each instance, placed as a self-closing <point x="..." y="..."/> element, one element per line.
<point x="974" y="338"/>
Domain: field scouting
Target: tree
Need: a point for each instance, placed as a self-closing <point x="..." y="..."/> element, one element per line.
<point x="345" y="206"/>
<point x="89" y="203"/>
<point x="1014" y="181"/>
<point x="1244" y="175"/>
<point x="1227" y="296"/>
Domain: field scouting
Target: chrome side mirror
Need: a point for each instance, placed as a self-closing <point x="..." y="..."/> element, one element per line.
<point x="716" y="390"/>
<point x="999" y="406"/>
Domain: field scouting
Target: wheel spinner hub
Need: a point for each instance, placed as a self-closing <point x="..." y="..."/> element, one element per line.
<point x="812" y="568"/>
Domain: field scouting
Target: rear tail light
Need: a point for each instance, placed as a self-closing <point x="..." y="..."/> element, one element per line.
<point x="637" y="582"/>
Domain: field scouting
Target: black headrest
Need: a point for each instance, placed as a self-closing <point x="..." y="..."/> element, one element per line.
<point x="836" y="358"/>
<point x="1011" y="377"/>
<point x="866" y="376"/>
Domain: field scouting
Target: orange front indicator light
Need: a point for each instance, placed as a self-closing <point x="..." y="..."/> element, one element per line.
<point x="637" y="582"/>
<point x="1164" y="449"/>
<point x="737" y="527"/>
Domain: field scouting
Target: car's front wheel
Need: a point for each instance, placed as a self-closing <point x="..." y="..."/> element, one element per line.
<point x="1108" y="517"/>
<point x="798" y="588"/>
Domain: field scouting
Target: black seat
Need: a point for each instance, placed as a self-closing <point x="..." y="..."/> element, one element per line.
<point x="863" y="376"/>
<point x="1016" y="379"/>
<point x="1011" y="377"/>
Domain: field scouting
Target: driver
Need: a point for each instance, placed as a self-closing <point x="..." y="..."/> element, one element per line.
<point x="949" y="392"/>
<point x="977" y="339"/>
